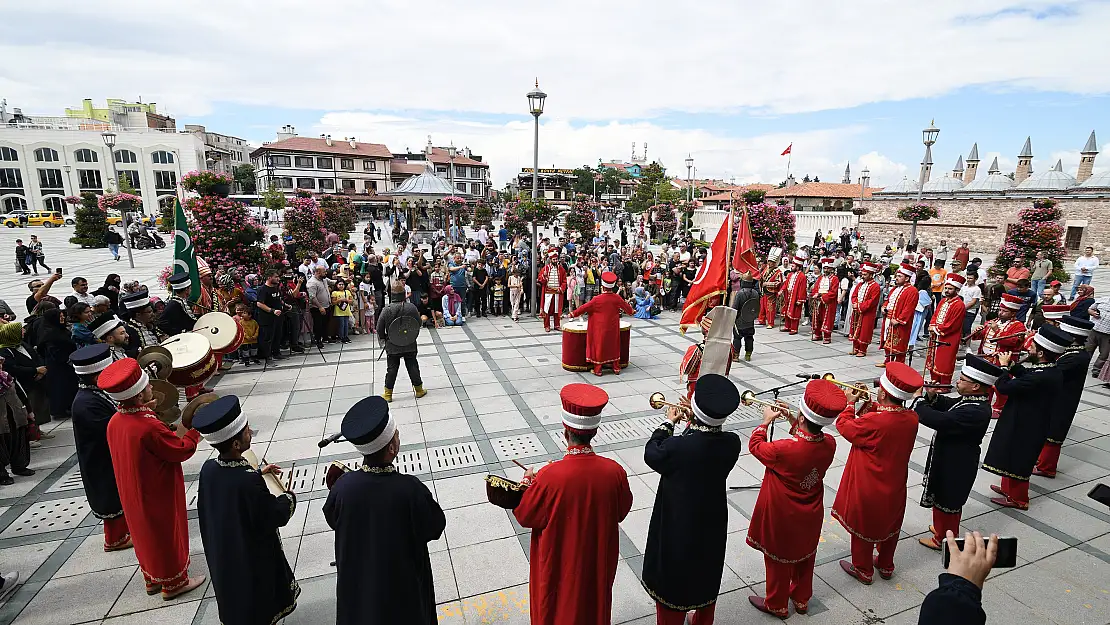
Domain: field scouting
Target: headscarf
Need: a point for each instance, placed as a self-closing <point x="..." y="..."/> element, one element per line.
<point x="453" y="298"/>
<point x="639" y="291"/>
<point x="1081" y="293"/>
<point x="11" y="334"/>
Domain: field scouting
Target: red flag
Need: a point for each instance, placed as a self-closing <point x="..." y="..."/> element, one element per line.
<point x="710" y="279"/>
<point x="744" y="258"/>
<point x="787" y="150"/>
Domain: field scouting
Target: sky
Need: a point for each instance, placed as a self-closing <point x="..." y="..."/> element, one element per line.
<point x="730" y="84"/>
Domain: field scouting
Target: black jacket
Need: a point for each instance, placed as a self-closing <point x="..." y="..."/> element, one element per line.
<point x="960" y="424"/>
<point x="747" y="291"/>
<point x="395" y="309"/>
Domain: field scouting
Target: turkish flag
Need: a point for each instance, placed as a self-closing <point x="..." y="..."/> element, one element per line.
<point x="710" y="280"/>
<point x="787" y="150"/>
<point x="744" y="259"/>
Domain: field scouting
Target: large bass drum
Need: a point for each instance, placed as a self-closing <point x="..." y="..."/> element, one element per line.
<point x="193" y="360"/>
<point x="223" y="332"/>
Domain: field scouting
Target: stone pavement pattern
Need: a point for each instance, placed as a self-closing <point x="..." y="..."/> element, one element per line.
<point x="493" y="397"/>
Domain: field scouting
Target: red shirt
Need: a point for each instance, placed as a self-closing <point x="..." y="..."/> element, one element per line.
<point x="603" y="337"/>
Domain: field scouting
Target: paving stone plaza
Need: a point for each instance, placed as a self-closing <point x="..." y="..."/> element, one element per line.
<point x="493" y="398"/>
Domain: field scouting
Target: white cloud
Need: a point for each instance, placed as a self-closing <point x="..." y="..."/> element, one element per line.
<point x="882" y="170"/>
<point x="597" y="60"/>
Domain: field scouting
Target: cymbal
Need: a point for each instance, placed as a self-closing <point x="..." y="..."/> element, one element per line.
<point x="158" y="360"/>
<point x="194" y="405"/>
<point x="166" y="394"/>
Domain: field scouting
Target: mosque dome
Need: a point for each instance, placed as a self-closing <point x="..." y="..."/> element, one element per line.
<point x="991" y="183"/>
<point x="944" y="184"/>
<point x="1100" y="180"/>
<point x="901" y="187"/>
<point x="1051" y="180"/>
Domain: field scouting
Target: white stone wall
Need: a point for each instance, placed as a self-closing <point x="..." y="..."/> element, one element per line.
<point x="807" y="222"/>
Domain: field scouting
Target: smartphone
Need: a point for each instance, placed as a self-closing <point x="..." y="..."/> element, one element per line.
<point x="1007" y="552"/>
<point x="58" y="270"/>
<point x="1101" y="494"/>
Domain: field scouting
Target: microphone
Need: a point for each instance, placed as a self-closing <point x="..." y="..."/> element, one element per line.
<point x="329" y="440"/>
<point x="808" y="376"/>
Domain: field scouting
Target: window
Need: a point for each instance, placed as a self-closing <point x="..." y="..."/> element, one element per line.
<point x="556" y="195"/>
<point x="10" y="179"/>
<point x="348" y="185"/>
<point x="304" y="161"/>
<point x="126" y="156"/>
<point x="477" y="172"/>
<point x="90" y="178"/>
<point x="162" y="157"/>
<point x="14" y="203"/>
<point x="476" y="188"/>
<point x="324" y="163"/>
<point x="165" y="180"/>
<point x="460" y="171"/>
<point x="369" y="165"/>
<point x="371" y="185"/>
<point x="284" y="183"/>
<point x="85" y="155"/>
<point x="441" y="169"/>
<point x="132" y="177"/>
<point x="347" y="163"/>
<point x="280" y="161"/>
<point x="56" y="204"/>
<point x="166" y="201"/>
<point x="46" y="155"/>
<point x="8" y="154"/>
<point x="1073" y="238"/>
<point x="306" y="183"/>
<point x="461" y="186"/>
<point x="50" y="178"/>
<point x="327" y="184"/>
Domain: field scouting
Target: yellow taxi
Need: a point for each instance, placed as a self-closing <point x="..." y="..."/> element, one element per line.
<point x="46" y="219"/>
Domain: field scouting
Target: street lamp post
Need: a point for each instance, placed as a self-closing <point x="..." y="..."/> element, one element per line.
<point x="536" y="100"/>
<point x="69" y="182"/>
<point x="689" y="188"/>
<point x="864" y="182"/>
<point x="928" y="137"/>
<point x="110" y="141"/>
<point x="451" y="152"/>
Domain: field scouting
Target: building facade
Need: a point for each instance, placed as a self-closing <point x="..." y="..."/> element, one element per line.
<point x="222" y="153"/>
<point x="555" y="185"/>
<point x="322" y="165"/>
<point x="124" y="113"/>
<point x="46" y="159"/>
<point x="466" y="172"/>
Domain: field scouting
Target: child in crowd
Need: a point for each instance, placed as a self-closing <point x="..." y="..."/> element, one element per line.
<point x="516" y="289"/>
<point x="498" y="294"/>
<point x="341" y="299"/>
<point x="248" y="351"/>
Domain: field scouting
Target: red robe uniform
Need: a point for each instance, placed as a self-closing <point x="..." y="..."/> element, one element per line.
<point x="863" y="303"/>
<point x="871" y="500"/>
<point x="793" y="296"/>
<point x="988" y="349"/>
<point x="574" y="507"/>
<point x="947" y="327"/>
<point x="147" y="457"/>
<point x="544" y="306"/>
<point x="603" y="337"/>
<point x="898" y="322"/>
<point x="823" y="299"/>
<point x="789" y="513"/>
<point x="768" y="304"/>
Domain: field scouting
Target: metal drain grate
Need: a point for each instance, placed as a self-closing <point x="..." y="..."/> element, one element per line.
<point x="49" y="516"/>
<point x="407" y="462"/>
<point x="456" y="456"/>
<point x="70" y="480"/>
<point x="303" y="478"/>
<point x="522" y="446"/>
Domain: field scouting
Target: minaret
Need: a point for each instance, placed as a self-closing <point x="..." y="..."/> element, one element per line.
<point x="1025" y="162"/>
<point x="928" y="163"/>
<point x="847" y="174"/>
<point x="1087" y="159"/>
<point x="994" y="167"/>
<point x="972" y="163"/>
<point x="958" y="170"/>
<point x="1059" y="165"/>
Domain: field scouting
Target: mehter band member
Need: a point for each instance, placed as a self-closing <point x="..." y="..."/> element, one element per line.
<point x="553" y="283"/>
<point x="1073" y="366"/>
<point x="603" y="337"/>
<point x="178" y="315"/>
<point x="863" y="305"/>
<point x="1024" y="423"/>
<point x="789" y="513"/>
<point x="138" y="316"/>
<point x="959" y="423"/>
<point x="574" y="507"/>
<point x="383" y="522"/>
<point x="92" y="411"/>
<point x="1012" y="334"/>
<point x="793" y="296"/>
<point x="147" y="457"/>
<point x="871" y="500"/>
<point x="239" y="521"/>
<point x="110" y="329"/>
<point x="945" y="331"/>
<point x="682" y="568"/>
<point x="823" y="302"/>
<point x="898" y="317"/>
<point x="768" y="303"/>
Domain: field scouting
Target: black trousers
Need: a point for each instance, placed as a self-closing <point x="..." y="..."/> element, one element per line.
<point x="22" y="262"/>
<point x="319" y="325"/>
<point x="481" y="298"/>
<point x="269" y="336"/>
<point x="38" y="260"/>
<point x="745" y="336"/>
<point x="15" y="449"/>
<point x="393" y="364"/>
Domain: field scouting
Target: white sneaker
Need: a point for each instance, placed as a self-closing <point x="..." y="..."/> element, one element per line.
<point x="9" y="583"/>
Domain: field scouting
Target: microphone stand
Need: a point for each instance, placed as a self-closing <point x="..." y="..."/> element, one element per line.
<point x="771" y="428"/>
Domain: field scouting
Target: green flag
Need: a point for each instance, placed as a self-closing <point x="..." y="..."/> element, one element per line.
<point x="184" y="256"/>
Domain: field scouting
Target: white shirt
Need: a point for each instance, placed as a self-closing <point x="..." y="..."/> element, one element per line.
<point x="307" y="270"/>
<point x="1086" y="265"/>
<point x="970" y="293"/>
<point x="483" y="236"/>
<point x="471" y="255"/>
<point x="87" y="298"/>
<point x="685" y="256"/>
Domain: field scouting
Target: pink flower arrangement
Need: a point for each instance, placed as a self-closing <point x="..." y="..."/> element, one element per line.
<point x="119" y="201"/>
<point x="72" y="200"/>
<point x="225" y="233"/>
<point x="918" y="212"/>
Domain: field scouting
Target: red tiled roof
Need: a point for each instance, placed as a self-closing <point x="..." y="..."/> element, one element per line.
<point x="401" y="167"/>
<point x="440" y="156"/>
<point x="338" y="147"/>
<point x="738" y="191"/>
<point x="823" y="189"/>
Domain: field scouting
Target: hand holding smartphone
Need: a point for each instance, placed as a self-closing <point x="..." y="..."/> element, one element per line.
<point x="58" y="270"/>
<point x="1004" y="549"/>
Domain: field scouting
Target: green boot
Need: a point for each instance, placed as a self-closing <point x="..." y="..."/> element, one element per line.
<point x="747" y="356"/>
<point x="420" y="392"/>
<point x="387" y="394"/>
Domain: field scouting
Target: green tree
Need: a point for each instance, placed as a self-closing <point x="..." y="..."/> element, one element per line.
<point x="91" y="223"/>
<point x="272" y="199"/>
<point x="244" y="176"/>
<point x="755" y="196"/>
<point x="338" y="214"/>
<point x="123" y="185"/>
<point x="166" y="216"/>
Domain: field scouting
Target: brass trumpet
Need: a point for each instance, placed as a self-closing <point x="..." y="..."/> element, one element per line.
<point x="748" y="398"/>
<point x="855" y="387"/>
<point x="657" y="400"/>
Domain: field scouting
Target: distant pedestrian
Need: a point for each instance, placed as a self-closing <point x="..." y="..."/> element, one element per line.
<point x="114" y="239"/>
<point x="21" y="257"/>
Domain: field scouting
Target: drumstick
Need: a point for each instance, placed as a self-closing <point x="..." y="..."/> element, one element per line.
<point x="520" y="465"/>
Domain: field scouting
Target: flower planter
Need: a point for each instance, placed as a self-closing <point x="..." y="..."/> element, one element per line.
<point x="221" y="189"/>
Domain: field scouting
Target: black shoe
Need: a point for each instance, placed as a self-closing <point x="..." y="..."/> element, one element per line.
<point x="296" y="349"/>
<point x="6" y="480"/>
<point x="279" y="357"/>
<point x="24" y="472"/>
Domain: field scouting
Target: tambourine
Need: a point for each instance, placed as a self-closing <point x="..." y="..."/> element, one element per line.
<point x="503" y="492"/>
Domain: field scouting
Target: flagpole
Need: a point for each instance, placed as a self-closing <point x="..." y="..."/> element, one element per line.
<point x="788" y="157"/>
<point x="728" y="250"/>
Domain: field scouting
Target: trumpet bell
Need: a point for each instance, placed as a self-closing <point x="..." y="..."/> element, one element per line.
<point x="657" y="400"/>
<point x="828" y="376"/>
<point x="747" y="398"/>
